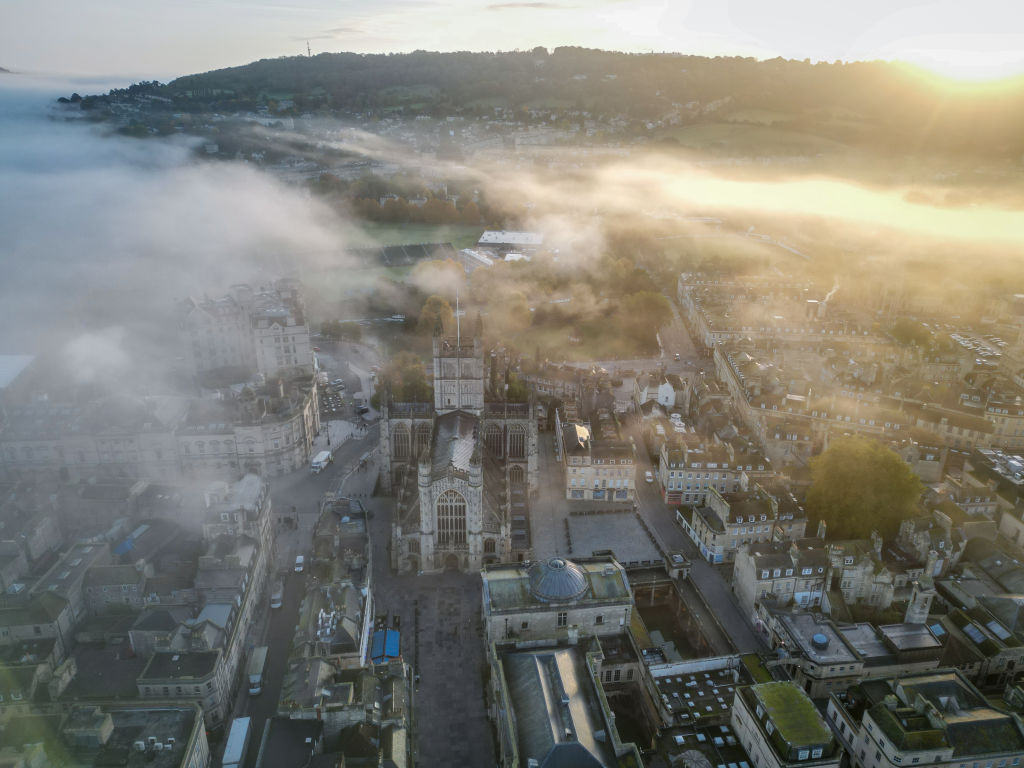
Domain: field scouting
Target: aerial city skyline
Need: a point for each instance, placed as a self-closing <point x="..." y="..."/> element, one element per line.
<point x="531" y="384"/>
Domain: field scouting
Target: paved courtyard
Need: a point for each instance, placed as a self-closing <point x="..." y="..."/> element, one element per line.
<point x="442" y="635"/>
<point x="616" y="529"/>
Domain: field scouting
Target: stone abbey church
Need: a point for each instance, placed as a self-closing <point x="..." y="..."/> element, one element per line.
<point x="459" y="468"/>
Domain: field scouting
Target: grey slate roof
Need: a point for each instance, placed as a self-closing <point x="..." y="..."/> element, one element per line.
<point x="455" y="441"/>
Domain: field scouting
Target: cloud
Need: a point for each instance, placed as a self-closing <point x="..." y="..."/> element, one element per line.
<point x="533" y="6"/>
<point x="332" y="34"/>
<point x="103" y="232"/>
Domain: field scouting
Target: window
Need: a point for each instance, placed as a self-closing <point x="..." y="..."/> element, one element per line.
<point x="816" y="752"/>
<point x="802" y="754"/>
<point x="563" y="618"/>
<point x="489" y="546"/>
<point x="402" y="442"/>
<point x="451" y="519"/>
<point x="769" y="727"/>
<point x="617" y="676"/>
<point x="493" y="440"/>
<point x="516" y="442"/>
<point x="414" y="547"/>
<point x="525" y="625"/>
<point x="599" y="619"/>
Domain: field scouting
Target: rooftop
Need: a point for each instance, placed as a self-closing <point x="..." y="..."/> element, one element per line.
<point x="515" y="586"/>
<point x="502" y="237"/>
<point x="177" y="666"/>
<point x="792" y="713"/>
<point x="556" y="711"/>
<point x="288" y="742"/>
<point x="941" y="709"/>
<point x="455" y="441"/>
<point x="820" y="641"/>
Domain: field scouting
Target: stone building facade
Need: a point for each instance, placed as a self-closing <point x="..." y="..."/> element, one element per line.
<point x="454" y="465"/>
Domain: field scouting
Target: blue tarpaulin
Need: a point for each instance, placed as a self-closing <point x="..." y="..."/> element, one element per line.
<point x="384" y="646"/>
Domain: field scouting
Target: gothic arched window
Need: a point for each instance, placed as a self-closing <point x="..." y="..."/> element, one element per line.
<point x="516" y="442"/>
<point x="422" y="438"/>
<point x="493" y="440"/>
<point x="401" y="441"/>
<point x="451" y="519"/>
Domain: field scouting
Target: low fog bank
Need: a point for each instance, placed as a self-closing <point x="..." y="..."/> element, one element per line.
<point x="102" y="234"/>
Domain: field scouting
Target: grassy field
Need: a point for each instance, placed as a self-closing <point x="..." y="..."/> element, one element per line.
<point x="372" y="234"/>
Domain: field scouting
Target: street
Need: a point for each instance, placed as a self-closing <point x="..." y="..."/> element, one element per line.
<point x="715" y="590"/>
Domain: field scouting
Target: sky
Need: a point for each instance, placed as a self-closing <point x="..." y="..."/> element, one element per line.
<point x="159" y="39"/>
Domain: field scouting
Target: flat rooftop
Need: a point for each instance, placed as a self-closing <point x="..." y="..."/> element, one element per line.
<point x="909" y="637"/>
<point x="618" y="529"/>
<point x="792" y="713"/>
<point x="699" y="695"/>
<point x="867" y="641"/>
<point x="503" y="237"/>
<point x="175" y="666"/>
<point x="819" y="640"/>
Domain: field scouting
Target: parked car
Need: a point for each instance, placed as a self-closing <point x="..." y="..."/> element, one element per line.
<point x="649" y="476"/>
<point x="300" y="564"/>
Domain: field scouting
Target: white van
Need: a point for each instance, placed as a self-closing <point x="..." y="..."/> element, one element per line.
<point x="320" y="462"/>
<point x="300" y="564"/>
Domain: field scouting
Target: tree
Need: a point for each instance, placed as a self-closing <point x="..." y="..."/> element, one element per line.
<point x="405" y="377"/>
<point x="517" y="391"/>
<point x="858" y="486"/>
<point x="350" y="331"/>
<point x="642" y="314"/>
<point x="331" y="329"/>
<point x="907" y="332"/>
<point x="435" y="308"/>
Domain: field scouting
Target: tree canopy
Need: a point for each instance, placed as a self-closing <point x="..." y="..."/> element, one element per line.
<point x="858" y="486"/>
<point x="906" y="332"/>
<point x="433" y="308"/>
<point x="405" y="377"/>
<point x="643" y="313"/>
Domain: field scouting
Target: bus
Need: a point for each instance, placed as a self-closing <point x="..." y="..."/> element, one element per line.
<point x="238" y="743"/>
<point x="257" y="662"/>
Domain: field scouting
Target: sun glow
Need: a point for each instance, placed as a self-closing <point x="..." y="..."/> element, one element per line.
<point x="969" y="67"/>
